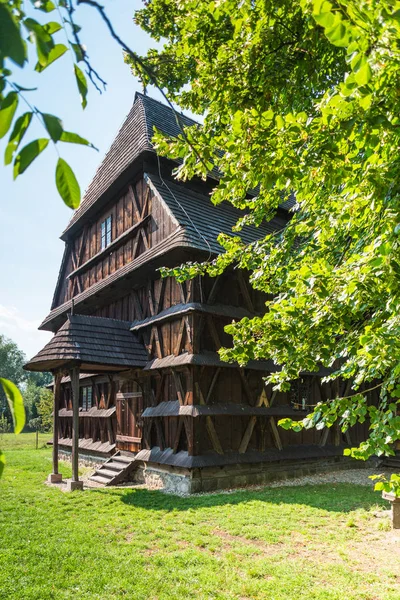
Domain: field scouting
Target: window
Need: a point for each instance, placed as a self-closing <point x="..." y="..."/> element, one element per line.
<point x="106" y="233"/>
<point x="86" y="398"/>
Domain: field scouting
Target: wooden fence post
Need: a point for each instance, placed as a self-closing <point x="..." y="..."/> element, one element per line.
<point x="55" y="476"/>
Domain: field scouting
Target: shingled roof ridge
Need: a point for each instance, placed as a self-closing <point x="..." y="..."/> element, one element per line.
<point x="145" y="98"/>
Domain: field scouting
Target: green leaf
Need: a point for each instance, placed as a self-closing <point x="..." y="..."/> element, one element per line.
<point x="45" y="6"/>
<point x="20" y="127"/>
<point x="11" y="42"/>
<point x="54" y="126"/>
<point x="28" y="155"/>
<point x="52" y="27"/>
<point x="74" y="138"/>
<point x="78" y="52"/>
<point x="44" y="41"/>
<point x="337" y="35"/>
<point x="364" y="74"/>
<point x="15" y="402"/>
<point x="82" y="85"/>
<point x="325" y="19"/>
<point x="7" y="112"/>
<point x="54" y="54"/>
<point x="67" y="184"/>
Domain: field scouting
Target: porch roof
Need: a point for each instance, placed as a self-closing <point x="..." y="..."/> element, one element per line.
<point x="96" y="344"/>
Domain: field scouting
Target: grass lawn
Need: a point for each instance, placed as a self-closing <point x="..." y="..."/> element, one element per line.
<point x="313" y="542"/>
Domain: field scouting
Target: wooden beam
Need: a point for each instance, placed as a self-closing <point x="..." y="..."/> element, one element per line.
<point x="245" y="386"/>
<point x="261" y="401"/>
<point x="137" y="305"/>
<point x="177" y="348"/>
<point x="212" y="434"/>
<point x="212" y="385"/>
<point x="135" y="202"/>
<point x="159" y="296"/>
<point x="247" y="435"/>
<point x="213" y="332"/>
<point x="56" y="426"/>
<point x="145" y="203"/>
<point x="179" y="388"/>
<point x="189" y="289"/>
<point x="74" y="374"/>
<point x="213" y="292"/>
<point x="275" y="433"/>
<point x="177" y="436"/>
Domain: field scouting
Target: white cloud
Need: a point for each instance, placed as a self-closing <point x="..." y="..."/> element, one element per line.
<point x="23" y="332"/>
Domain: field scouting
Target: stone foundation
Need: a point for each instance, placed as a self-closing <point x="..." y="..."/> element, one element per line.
<point x="85" y="460"/>
<point x="174" y="480"/>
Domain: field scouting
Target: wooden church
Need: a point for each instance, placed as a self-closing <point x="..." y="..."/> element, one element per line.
<point x="138" y="383"/>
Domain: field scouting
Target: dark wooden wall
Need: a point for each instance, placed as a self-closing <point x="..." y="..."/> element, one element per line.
<point x="139" y="222"/>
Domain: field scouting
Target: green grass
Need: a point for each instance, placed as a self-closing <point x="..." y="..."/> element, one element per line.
<point x="305" y="543"/>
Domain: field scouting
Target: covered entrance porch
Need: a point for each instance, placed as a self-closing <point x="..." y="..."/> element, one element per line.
<point x="100" y="417"/>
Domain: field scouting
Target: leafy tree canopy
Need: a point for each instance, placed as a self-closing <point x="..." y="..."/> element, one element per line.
<point x="300" y="96"/>
<point x="12" y="359"/>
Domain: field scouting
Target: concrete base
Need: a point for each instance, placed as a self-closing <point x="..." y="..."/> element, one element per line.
<point x="395" y="508"/>
<point x="74" y="485"/>
<point x="54" y="478"/>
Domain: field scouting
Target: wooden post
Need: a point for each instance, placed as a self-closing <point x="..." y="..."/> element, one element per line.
<point x="55" y="476"/>
<point x="75" y="484"/>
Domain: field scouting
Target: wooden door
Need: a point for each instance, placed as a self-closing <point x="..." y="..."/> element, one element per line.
<point x="129" y="420"/>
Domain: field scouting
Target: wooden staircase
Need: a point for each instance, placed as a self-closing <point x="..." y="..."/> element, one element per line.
<point x="114" y="470"/>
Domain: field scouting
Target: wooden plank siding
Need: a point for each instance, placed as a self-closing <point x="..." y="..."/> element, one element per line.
<point x="138" y="222"/>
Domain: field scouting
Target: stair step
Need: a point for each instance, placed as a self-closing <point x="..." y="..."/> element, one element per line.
<point x="123" y="463"/>
<point x="108" y="473"/>
<point x="99" y="479"/>
<point x="115" y="466"/>
<point x="125" y="459"/>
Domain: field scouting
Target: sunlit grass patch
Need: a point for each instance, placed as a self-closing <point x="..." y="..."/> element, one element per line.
<point x="314" y="542"/>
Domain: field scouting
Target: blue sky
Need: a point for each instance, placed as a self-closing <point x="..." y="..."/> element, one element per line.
<point x="32" y="215"/>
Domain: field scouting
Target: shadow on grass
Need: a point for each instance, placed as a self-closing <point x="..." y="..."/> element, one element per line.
<point x="339" y="497"/>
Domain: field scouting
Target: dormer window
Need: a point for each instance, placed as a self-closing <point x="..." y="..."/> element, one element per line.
<point x="106" y="233"/>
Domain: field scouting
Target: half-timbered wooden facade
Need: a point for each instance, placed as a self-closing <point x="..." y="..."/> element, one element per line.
<point x="135" y="355"/>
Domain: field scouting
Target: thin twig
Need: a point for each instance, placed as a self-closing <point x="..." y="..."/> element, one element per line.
<point x="91" y="72"/>
<point x="139" y="61"/>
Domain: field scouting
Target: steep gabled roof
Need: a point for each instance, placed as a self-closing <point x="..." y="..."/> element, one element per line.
<point x="202" y="220"/>
<point x="96" y="343"/>
<point x="133" y="138"/>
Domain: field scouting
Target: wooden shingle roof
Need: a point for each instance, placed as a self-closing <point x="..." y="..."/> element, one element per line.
<point x="133" y="139"/>
<point x="96" y="343"/>
<point x="202" y="220"/>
